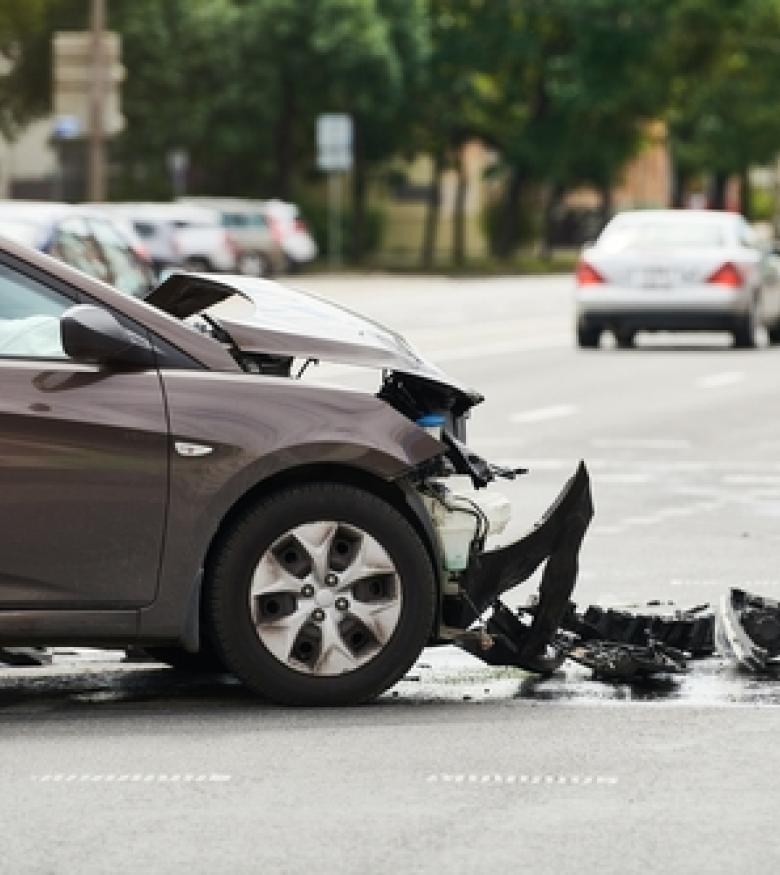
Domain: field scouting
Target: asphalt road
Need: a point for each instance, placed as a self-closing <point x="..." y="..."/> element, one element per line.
<point x="131" y="768"/>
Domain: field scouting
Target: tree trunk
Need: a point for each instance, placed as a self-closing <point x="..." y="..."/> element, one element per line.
<point x="554" y="195"/>
<point x="359" y="186"/>
<point x="284" y="140"/>
<point x="718" y="190"/>
<point x="607" y="205"/>
<point x="458" y="218"/>
<point x="432" y="213"/>
<point x="679" y="181"/>
<point x="745" y="194"/>
<point x="508" y="234"/>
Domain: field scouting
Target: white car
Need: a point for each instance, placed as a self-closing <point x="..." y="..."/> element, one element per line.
<point x="290" y="231"/>
<point x="676" y="270"/>
<point x="179" y="235"/>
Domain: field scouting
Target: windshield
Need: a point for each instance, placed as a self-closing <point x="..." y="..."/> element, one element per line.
<point x="663" y="234"/>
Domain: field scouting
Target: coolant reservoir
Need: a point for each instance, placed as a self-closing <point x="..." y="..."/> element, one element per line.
<point x="432" y="423"/>
<point x="457" y="516"/>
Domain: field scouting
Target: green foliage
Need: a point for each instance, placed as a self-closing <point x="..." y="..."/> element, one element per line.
<point x="562" y="89"/>
<point x="21" y="86"/>
<point x="763" y="205"/>
<point x="316" y="211"/>
<point x="726" y="120"/>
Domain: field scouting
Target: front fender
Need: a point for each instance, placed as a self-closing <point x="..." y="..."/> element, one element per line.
<point x="265" y="425"/>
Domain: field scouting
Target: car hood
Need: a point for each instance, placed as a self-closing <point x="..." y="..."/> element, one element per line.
<point x="262" y="316"/>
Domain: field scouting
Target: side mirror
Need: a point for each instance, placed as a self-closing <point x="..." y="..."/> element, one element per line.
<point x="92" y="335"/>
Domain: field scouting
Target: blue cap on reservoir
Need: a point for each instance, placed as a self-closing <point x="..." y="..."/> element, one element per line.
<point x="431" y="420"/>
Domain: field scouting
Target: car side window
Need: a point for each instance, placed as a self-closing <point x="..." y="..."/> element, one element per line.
<point x="747" y="236"/>
<point x="144" y="230"/>
<point x="30" y="317"/>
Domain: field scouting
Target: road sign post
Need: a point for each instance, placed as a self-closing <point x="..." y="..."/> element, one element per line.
<point x="334" y="156"/>
<point x="96" y="165"/>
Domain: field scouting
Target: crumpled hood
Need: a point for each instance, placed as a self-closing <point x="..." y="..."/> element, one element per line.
<point x="262" y="316"/>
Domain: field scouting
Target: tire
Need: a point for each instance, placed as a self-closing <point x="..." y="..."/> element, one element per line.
<point x="744" y="331"/>
<point x="196" y="264"/>
<point x="303" y="641"/>
<point x="205" y="661"/>
<point x="774" y="333"/>
<point x="588" y="336"/>
<point x="254" y="264"/>
<point x="624" y="338"/>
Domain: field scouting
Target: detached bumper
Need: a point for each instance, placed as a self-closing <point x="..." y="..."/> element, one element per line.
<point x="555" y="541"/>
<point x="747" y="629"/>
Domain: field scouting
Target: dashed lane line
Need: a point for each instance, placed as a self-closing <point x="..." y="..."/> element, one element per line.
<point x="720" y="380"/>
<point x="641" y="443"/>
<point x="543" y="414"/>
<point x="471" y="778"/>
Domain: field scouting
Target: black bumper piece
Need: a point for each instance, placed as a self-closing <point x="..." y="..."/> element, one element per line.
<point x="556" y="539"/>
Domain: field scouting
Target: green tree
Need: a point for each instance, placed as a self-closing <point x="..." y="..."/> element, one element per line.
<point x="24" y="79"/>
<point x="723" y="114"/>
<point x="448" y="114"/>
<point x="183" y="90"/>
<point x="565" y="90"/>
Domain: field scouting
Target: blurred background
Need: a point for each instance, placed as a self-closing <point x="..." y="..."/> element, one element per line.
<point x="482" y="134"/>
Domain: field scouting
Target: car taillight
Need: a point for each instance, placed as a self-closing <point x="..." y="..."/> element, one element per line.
<point x="727" y="275"/>
<point x="141" y="251"/>
<point x="587" y="275"/>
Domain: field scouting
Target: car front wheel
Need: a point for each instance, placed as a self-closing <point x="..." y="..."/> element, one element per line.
<point x="321" y="595"/>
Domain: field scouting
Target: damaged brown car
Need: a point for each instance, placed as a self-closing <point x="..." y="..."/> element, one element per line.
<point x="169" y="480"/>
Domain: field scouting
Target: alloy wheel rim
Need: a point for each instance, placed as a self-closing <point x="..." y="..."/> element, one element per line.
<point x="325" y="598"/>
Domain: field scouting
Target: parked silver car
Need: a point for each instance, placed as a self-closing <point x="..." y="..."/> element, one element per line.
<point x="259" y="252"/>
<point x="178" y="235"/>
<point x="677" y="270"/>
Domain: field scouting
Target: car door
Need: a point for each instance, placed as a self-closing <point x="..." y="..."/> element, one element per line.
<point x="83" y="462"/>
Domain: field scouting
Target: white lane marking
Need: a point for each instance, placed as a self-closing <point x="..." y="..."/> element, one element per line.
<point x="659" y="516"/>
<point x="649" y="520"/>
<point x="536" y="780"/>
<point x="751" y="480"/>
<point x="676" y="511"/>
<point x="542" y="414"/>
<point x="630" y="478"/>
<point x="478" y="351"/>
<point x="749" y="585"/>
<point x="137" y="778"/>
<point x="641" y="443"/>
<point x="646" y="465"/>
<point x="716" y="381"/>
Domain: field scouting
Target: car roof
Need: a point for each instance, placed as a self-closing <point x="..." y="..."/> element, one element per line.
<point x="221" y="203"/>
<point x="161" y="212"/>
<point x="642" y="216"/>
<point x="35" y="211"/>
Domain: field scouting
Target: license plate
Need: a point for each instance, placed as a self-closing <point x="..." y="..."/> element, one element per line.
<point x="655" y="278"/>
